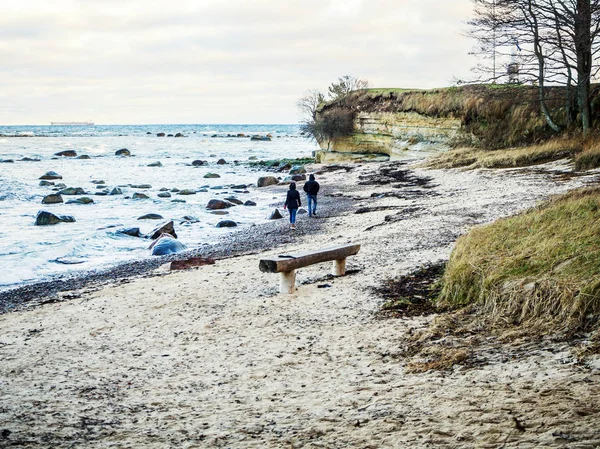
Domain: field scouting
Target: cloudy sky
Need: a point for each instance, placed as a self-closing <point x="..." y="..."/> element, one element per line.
<point x="214" y="61"/>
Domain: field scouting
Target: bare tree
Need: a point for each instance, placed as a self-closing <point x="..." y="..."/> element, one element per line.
<point x="309" y="103"/>
<point x="344" y="85"/>
<point x="560" y="39"/>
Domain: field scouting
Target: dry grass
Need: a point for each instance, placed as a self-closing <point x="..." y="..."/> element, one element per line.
<point x="590" y="157"/>
<point x="472" y="158"/>
<point x="540" y="267"/>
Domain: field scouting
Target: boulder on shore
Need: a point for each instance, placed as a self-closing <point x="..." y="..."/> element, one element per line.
<point x="67" y="153"/>
<point x="275" y="215"/>
<point x="123" y="152"/>
<point x="226" y="224"/>
<point x="51" y="175"/>
<point x="166" y="228"/>
<point x="53" y="198"/>
<point x="219" y="204"/>
<point x="297" y="170"/>
<point x="166" y="244"/>
<point x="265" y="181"/>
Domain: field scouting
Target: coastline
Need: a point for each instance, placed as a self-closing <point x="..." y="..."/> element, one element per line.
<point x="215" y="357"/>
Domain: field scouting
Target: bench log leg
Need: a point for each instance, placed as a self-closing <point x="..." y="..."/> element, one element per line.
<point x="339" y="267"/>
<point x="287" y="282"/>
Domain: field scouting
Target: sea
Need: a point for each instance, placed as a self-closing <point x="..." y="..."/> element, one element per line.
<point x="30" y="253"/>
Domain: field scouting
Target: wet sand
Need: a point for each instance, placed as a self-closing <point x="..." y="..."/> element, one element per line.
<point x="216" y="357"/>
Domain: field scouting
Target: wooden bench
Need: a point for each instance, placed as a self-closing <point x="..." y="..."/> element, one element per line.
<point x="287" y="265"/>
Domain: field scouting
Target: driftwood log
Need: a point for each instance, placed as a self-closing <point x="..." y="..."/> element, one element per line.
<point x="287" y="264"/>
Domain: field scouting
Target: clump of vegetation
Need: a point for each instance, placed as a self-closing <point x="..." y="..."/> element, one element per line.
<point x="508" y="158"/>
<point x="275" y="163"/>
<point x="541" y="266"/>
<point x="589" y="158"/>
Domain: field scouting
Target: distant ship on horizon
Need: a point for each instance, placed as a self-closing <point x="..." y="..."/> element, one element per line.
<point x="88" y="123"/>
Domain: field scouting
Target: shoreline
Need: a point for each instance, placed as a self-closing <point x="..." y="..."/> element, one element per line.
<point x="216" y="357"/>
<point x="255" y="238"/>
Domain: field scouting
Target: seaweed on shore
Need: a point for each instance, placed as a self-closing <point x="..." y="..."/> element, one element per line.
<point x="412" y="294"/>
<point x="392" y="173"/>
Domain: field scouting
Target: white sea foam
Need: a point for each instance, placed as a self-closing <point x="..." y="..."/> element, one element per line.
<point x="29" y="253"/>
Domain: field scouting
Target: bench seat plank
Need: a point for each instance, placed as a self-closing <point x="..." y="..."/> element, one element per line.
<point x="284" y="264"/>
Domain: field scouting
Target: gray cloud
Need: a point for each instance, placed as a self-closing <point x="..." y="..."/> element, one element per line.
<point x="131" y="61"/>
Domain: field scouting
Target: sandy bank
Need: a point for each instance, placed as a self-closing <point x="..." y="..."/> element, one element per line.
<point x="215" y="357"/>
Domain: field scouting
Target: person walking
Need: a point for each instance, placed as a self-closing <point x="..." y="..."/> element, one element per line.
<point x="292" y="203"/>
<point x="311" y="187"/>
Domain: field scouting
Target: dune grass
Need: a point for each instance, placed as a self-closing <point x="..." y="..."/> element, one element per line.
<point x="541" y="266"/>
<point x="471" y="158"/>
<point x="590" y="157"/>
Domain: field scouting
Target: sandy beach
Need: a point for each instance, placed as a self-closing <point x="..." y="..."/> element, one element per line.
<point x="215" y="357"/>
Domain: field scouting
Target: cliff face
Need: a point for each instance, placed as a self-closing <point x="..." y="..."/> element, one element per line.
<point x="388" y="122"/>
<point x="385" y="134"/>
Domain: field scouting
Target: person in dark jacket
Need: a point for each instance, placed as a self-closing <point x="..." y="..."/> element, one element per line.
<point x="292" y="203"/>
<point x="311" y="187"/>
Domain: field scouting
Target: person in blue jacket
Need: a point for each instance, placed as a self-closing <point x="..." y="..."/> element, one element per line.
<point x="292" y="203"/>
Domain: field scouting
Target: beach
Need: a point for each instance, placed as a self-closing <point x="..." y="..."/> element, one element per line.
<point x="214" y="356"/>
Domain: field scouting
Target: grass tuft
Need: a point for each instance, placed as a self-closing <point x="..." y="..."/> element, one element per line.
<point x="472" y="158"/>
<point x="541" y="266"/>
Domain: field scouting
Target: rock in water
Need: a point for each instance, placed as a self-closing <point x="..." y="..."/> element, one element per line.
<point x="234" y="200"/>
<point x="67" y="153"/>
<point x="218" y="204"/>
<point x="186" y="192"/>
<point x="54" y="198"/>
<point x="160" y="135"/>
<point x="275" y="215"/>
<point x="179" y="135"/>
<point x="151" y="217"/>
<point x="116" y="191"/>
<point x="134" y="232"/>
<point x="45" y="218"/>
<point x="221" y="162"/>
<point x="249" y="203"/>
<point x="51" y="175"/>
<point x="72" y="191"/>
<point x="155" y="164"/>
<point x="212" y="175"/>
<point x="46" y="183"/>
<point x="297" y="170"/>
<point x="166" y="244"/>
<point x="83" y="156"/>
<point x="167" y="228"/>
<point x="164" y="195"/>
<point x="198" y="163"/>
<point x="82" y="200"/>
<point x="140" y="196"/>
<point x="226" y="224"/>
<point x="265" y="181"/>
<point x="123" y="152"/>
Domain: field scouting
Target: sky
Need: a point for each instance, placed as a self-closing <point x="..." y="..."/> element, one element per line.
<point x="215" y="61"/>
